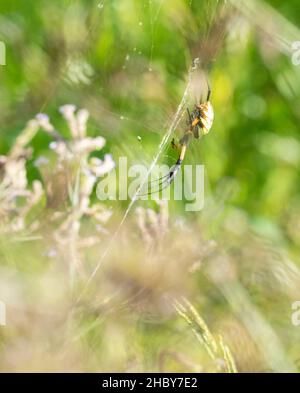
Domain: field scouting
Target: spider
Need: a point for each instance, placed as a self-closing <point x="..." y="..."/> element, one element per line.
<point x="199" y="123"/>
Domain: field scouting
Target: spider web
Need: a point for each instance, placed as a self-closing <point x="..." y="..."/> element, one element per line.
<point x="164" y="142"/>
<point x="193" y="86"/>
<point x="154" y="14"/>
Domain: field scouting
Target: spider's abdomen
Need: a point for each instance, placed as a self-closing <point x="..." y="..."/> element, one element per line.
<point x="206" y="117"/>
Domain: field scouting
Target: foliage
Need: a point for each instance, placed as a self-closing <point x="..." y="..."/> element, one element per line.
<point x="107" y="292"/>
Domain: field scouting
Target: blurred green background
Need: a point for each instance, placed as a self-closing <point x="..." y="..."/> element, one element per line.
<point x="128" y="62"/>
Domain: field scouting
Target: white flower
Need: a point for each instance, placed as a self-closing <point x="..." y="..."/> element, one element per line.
<point x="87" y="145"/>
<point x="101" y="167"/>
<point x="44" y="122"/>
<point x="82" y="118"/>
<point x="67" y="110"/>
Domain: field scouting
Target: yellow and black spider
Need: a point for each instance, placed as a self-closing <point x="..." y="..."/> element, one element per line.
<point x="200" y="121"/>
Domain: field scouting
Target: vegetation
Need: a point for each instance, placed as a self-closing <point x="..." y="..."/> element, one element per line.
<point x="94" y="285"/>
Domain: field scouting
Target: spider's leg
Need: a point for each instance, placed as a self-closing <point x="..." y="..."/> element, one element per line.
<point x="208" y="90"/>
<point x="174" y="144"/>
<point x="159" y="179"/>
<point x="163" y="181"/>
<point x="166" y="180"/>
<point x="161" y="186"/>
<point x="189" y="116"/>
<point x="196" y="131"/>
